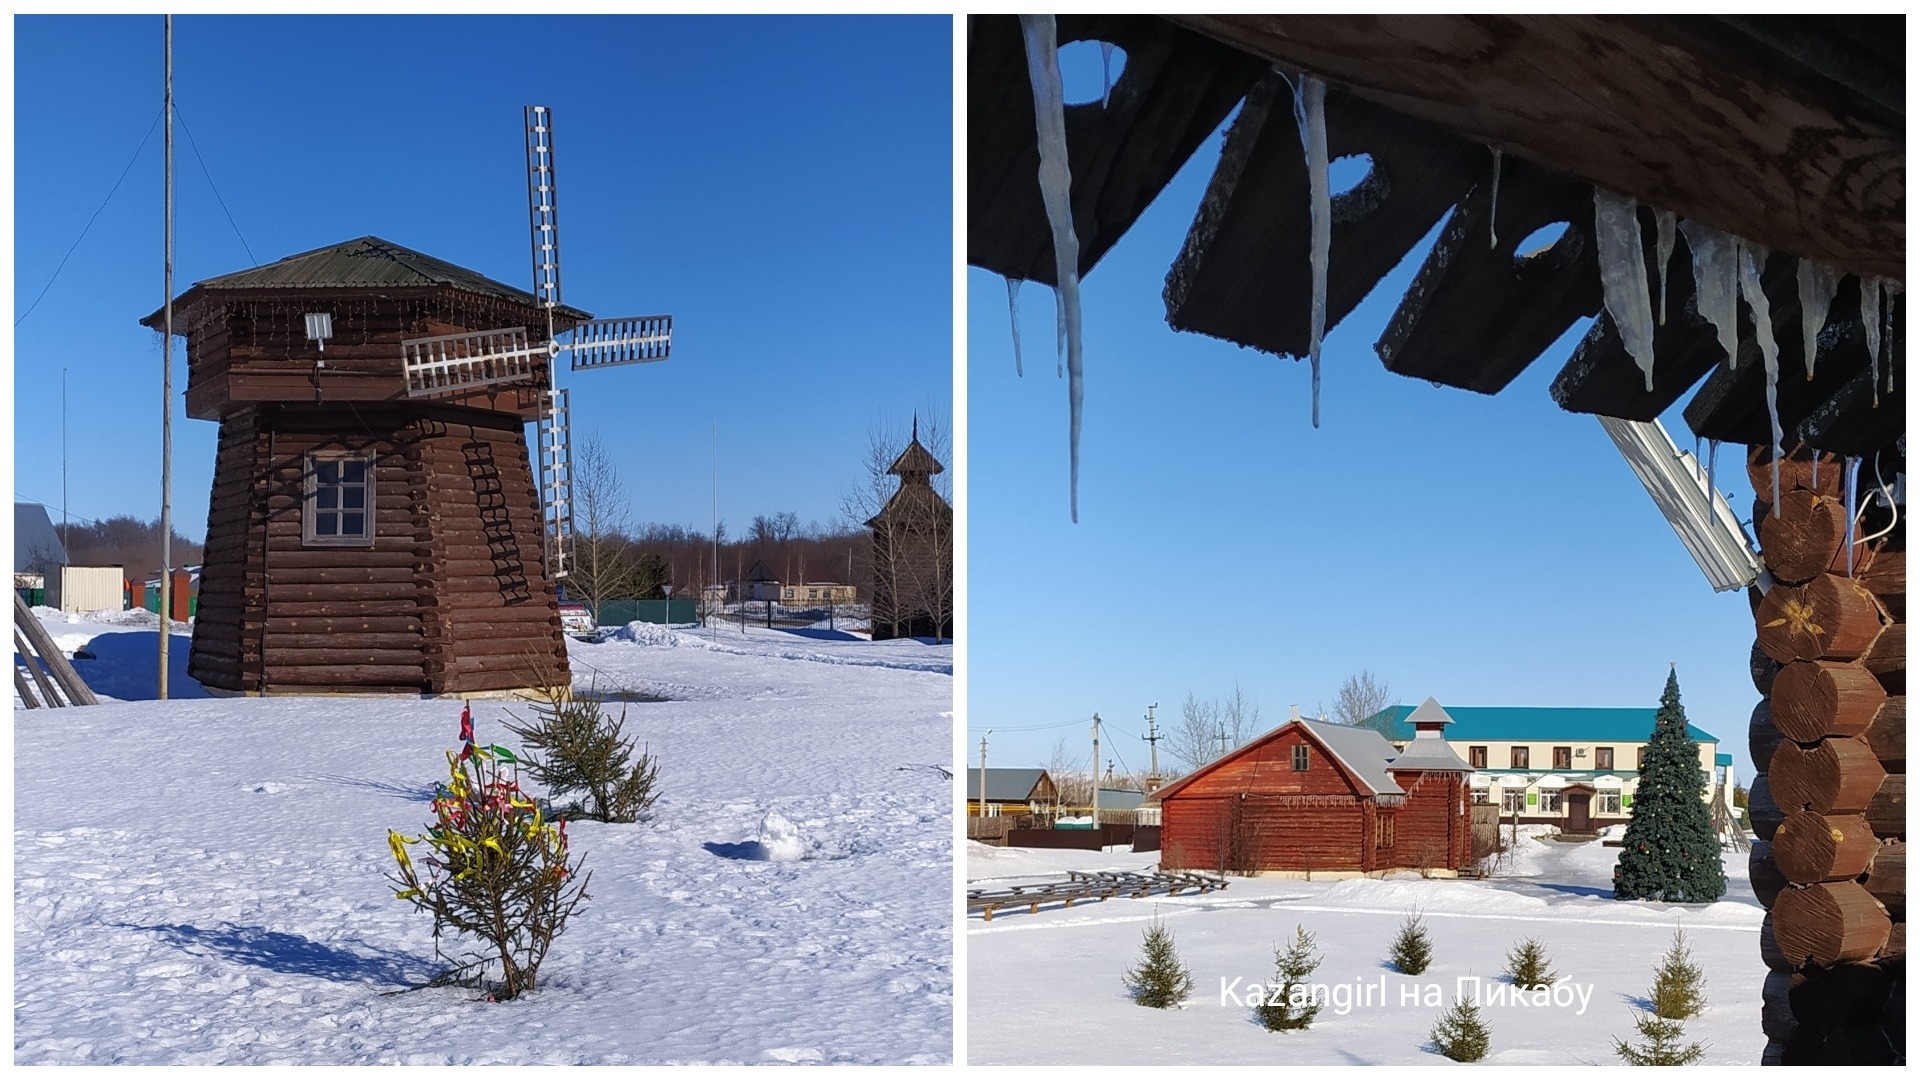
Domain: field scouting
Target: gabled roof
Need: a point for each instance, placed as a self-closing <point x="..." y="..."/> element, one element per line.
<point x="367" y="263"/>
<point x="1005" y="785"/>
<point x="1429" y="712"/>
<point x="1528" y="724"/>
<point x="1360" y="752"/>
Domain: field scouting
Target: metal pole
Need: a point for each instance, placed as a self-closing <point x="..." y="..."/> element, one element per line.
<point x="63" y="463"/>
<point x="166" y="399"/>
<point x="983" y="773"/>
<point x="1153" y="747"/>
<point x="1096" y="780"/>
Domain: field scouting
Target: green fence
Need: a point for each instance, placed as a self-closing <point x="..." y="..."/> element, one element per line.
<point x="622" y="612"/>
<point x="153" y="602"/>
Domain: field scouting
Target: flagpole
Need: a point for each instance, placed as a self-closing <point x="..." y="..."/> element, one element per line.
<point x="166" y="394"/>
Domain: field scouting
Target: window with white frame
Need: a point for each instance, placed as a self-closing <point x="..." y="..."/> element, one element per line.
<point x="1608" y="802"/>
<point x="339" y="499"/>
<point x="1513" y="801"/>
<point x="1549" y="802"/>
<point x="1482" y="796"/>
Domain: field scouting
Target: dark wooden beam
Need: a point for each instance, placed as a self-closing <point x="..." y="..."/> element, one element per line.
<point x="1681" y="112"/>
<point x="1244" y="273"/>
<point x="1862" y="418"/>
<point x="1731" y="405"/>
<point x="1601" y="378"/>
<point x="1175" y="90"/>
<point x="1477" y="314"/>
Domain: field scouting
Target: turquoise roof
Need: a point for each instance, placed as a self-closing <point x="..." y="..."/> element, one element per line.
<point x="1501" y="724"/>
<point x="1723" y="759"/>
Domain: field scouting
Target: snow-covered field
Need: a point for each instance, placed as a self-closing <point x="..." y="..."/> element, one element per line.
<point x="1046" y="988"/>
<point x="202" y="880"/>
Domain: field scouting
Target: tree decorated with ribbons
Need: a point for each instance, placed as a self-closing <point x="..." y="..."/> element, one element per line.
<point x="493" y="868"/>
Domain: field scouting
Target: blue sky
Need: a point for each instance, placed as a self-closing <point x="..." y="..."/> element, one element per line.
<point x="782" y="187"/>
<point x="1483" y="550"/>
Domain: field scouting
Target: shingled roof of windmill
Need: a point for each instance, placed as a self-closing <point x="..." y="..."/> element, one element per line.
<point x="367" y="263"/>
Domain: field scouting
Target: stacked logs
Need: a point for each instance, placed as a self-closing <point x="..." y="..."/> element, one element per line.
<point x="1829" y="741"/>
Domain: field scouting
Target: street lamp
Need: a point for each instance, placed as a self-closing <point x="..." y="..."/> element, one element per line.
<point x="666" y="617"/>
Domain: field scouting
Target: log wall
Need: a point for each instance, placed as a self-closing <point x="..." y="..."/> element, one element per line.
<point x="451" y="597"/>
<point x="1252" y="812"/>
<point x="1829" y="741"/>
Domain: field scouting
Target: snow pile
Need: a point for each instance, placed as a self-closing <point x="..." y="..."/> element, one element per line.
<point x="779" y="838"/>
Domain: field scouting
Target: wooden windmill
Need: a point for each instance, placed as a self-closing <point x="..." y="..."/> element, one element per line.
<point x="375" y="524"/>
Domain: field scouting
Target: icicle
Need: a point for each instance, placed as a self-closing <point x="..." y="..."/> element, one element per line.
<point x="1752" y="257"/>
<point x="1817" y="285"/>
<point x="1663" y="223"/>
<point x="1889" y="290"/>
<point x="1853" y="484"/>
<point x="1493" y="205"/>
<point x="1713" y="453"/>
<point x="1106" y="72"/>
<point x="1714" y="282"/>
<point x="1623" y="275"/>
<point x="1056" y="186"/>
<point x="1870" y="322"/>
<point x="1310" y="111"/>
<point x="1013" y="317"/>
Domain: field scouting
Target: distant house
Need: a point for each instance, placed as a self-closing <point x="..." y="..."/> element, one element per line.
<point x="37" y="550"/>
<point x="1575" y="768"/>
<point x="1311" y="797"/>
<point x="817" y="592"/>
<point x="1011" y="791"/>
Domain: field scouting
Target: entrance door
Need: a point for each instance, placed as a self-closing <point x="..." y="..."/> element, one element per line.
<point x="1578" y="818"/>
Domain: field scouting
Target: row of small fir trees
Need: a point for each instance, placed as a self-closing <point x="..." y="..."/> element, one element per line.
<point x="1160" y="981"/>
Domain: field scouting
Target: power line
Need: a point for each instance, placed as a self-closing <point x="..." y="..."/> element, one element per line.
<point x="216" y="188"/>
<point x="1036" y="727"/>
<point x="91" y="220"/>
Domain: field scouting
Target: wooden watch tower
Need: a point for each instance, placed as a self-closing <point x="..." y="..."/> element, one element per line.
<point x="376" y="525"/>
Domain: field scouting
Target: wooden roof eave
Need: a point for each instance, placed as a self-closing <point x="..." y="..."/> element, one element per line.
<point x="565" y="318"/>
<point x="1680" y="112"/>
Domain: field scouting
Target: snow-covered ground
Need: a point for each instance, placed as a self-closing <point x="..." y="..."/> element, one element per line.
<point x="202" y="880"/>
<point x="1046" y="988"/>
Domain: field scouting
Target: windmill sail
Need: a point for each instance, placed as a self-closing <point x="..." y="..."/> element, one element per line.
<point x="556" y="482"/>
<point x="449" y="363"/>
<point x="612" y="342"/>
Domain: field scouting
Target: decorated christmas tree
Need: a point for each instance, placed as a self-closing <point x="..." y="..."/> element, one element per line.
<point x="1670" y="852"/>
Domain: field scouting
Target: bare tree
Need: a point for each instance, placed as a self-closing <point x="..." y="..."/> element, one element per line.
<point x="603" y="560"/>
<point x="1074" y="786"/>
<point x="1208" y="729"/>
<point x="1360" y="701"/>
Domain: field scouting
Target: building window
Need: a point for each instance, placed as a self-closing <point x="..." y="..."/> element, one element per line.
<point x="1383" y="831"/>
<point x="1300" y="758"/>
<point x="1563" y="757"/>
<point x="1603" y="758"/>
<point x="1477" y="756"/>
<point x="1640" y="758"/>
<point x="1482" y="796"/>
<point x="1549" y="802"/>
<point x="1513" y="802"/>
<point x="339" y="500"/>
<point x="1519" y="757"/>
<point x="1609" y="802"/>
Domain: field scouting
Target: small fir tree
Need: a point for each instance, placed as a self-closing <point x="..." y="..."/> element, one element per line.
<point x="1159" y="982"/>
<point x="574" y="747"/>
<point x="1670" y="851"/>
<point x="1460" y="1033"/>
<point x="1293" y="966"/>
<point x="495" y="870"/>
<point x="1411" y="951"/>
<point x="1659" y="1044"/>
<point x="1527" y="965"/>
<point x="1679" y="985"/>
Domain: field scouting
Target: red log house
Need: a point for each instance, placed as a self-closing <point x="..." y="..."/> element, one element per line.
<point x="1312" y="797"/>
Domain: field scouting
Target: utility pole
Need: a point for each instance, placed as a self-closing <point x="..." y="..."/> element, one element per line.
<point x="983" y="772"/>
<point x="166" y="395"/>
<point x="1096" y="779"/>
<point x="1153" y="748"/>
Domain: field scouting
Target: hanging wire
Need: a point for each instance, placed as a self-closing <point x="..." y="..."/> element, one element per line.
<point x="91" y="220"/>
<point x="204" y="171"/>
